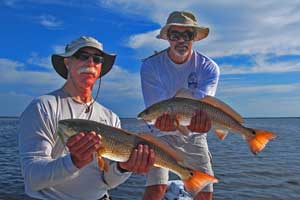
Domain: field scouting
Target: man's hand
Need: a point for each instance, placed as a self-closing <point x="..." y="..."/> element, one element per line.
<point x="82" y="147"/>
<point x="140" y="161"/>
<point x="165" y="122"/>
<point x="200" y="122"/>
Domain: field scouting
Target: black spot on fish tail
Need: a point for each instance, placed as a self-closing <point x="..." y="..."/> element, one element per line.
<point x="252" y="131"/>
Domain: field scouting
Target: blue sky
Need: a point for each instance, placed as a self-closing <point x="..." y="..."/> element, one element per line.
<point x="255" y="43"/>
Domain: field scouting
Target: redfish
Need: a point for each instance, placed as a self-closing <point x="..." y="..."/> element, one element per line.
<point x="118" y="145"/>
<point x="222" y="116"/>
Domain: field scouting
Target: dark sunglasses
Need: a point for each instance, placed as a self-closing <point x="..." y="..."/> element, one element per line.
<point x="176" y="35"/>
<point x="83" y="56"/>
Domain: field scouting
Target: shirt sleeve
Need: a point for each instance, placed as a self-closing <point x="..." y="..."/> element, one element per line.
<point x="36" y="141"/>
<point x="113" y="177"/>
<point x="152" y="88"/>
<point x="209" y="81"/>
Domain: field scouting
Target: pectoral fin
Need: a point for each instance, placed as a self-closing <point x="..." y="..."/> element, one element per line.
<point x="221" y="133"/>
<point x="102" y="164"/>
<point x="182" y="129"/>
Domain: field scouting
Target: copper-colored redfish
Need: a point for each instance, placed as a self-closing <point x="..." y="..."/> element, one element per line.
<point x="222" y="116"/>
<point x="118" y="145"/>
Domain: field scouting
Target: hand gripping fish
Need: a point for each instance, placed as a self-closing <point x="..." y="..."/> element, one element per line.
<point x="118" y="145"/>
<point x="223" y="118"/>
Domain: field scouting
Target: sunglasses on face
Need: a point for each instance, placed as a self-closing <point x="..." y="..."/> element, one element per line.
<point x="176" y="35"/>
<point x="83" y="56"/>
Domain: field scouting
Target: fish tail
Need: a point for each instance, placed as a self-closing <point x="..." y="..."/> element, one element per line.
<point x="259" y="140"/>
<point x="197" y="181"/>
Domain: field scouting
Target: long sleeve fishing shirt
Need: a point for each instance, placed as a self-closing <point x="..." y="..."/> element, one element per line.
<point x="47" y="168"/>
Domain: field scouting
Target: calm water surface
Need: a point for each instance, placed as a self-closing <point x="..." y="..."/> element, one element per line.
<point x="272" y="174"/>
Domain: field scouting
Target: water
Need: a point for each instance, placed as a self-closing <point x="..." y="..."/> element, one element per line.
<point x="272" y="174"/>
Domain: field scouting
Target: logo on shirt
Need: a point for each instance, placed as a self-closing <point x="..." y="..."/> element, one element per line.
<point x="192" y="80"/>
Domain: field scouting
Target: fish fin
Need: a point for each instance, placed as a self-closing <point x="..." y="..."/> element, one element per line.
<point x="182" y="129"/>
<point x="175" y="154"/>
<point x="221" y="133"/>
<point x="259" y="140"/>
<point x="185" y="93"/>
<point x="102" y="164"/>
<point x="197" y="181"/>
<point x="223" y="106"/>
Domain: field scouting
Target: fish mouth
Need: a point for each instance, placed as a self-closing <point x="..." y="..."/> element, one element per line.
<point x="139" y="116"/>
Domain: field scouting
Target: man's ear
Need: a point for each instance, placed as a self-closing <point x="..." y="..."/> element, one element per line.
<point x="66" y="61"/>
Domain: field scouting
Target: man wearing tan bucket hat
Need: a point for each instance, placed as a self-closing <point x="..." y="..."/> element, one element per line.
<point x="51" y="172"/>
<point x="186" y="72"/>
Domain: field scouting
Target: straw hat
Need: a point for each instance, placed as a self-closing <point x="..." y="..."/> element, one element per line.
<point x="185" y="19"/>
<point x="73" y="47"/>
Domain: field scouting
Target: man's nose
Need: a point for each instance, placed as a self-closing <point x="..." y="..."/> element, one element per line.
<point x="180" y="39"/>
<point x="90" y="60"/>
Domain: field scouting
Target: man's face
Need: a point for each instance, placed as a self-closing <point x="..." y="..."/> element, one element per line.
<point x="84" y="67"/>
<point x="181" y="40"/>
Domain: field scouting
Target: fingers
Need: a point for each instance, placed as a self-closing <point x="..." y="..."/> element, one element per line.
<point x="74" y="139"/>
<point x="141" y="160"/>
<point x="82" y="147"/>
<point x="200" y="122"/>
<point x="165" y="122"/>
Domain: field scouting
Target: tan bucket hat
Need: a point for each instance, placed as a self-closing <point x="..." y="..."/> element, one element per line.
<point x="73" y="47"/>
<point x="186" y="19"/>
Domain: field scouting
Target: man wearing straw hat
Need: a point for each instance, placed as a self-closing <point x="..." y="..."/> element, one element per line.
<point x="180" y="68"/>
<point x="49" y="171"/>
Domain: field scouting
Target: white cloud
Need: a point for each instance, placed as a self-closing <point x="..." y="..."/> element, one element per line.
<point x="262" y="66"/>
<point x="265" y="106"/>
<point x="13" y="72"/>
<point x="59" y="49"/>
<point x="49" y="21"/>
<point x="230" y="90"/>
<point x="122" y="84"/>
<point x="37" y="60"/>
<point x="145" y="39"/>
<point x="236" y="27"/>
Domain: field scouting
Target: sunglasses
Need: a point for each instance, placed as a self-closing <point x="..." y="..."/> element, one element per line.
<point x="176" y="35"/>
<point x="83" y="56"/>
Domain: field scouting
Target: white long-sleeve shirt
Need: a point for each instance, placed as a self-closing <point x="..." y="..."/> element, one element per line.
<point x="48" y="170"/>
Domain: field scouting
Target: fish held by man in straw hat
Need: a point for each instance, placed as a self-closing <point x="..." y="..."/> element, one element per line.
<point x="118" y="145"/>
<point x="224" y="119"/>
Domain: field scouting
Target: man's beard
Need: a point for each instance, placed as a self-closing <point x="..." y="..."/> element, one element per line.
<point x="181" y="49"/>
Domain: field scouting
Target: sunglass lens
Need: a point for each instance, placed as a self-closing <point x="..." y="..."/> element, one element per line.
<point x="176" y="35"/>
<point x="85" y="56"/>
<point x="188" y="35"/>
<point x="98" y="59"/>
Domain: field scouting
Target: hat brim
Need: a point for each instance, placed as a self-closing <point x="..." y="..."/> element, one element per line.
<point x="202" y="32"/>
<point x="61" y="69"/>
